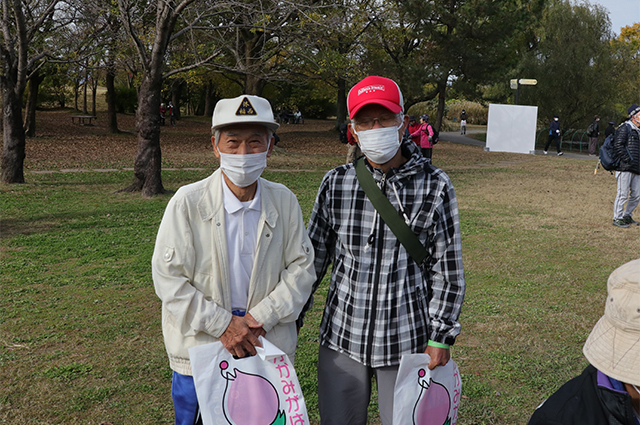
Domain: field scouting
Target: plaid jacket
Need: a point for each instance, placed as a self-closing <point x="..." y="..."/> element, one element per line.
<point x="381" y="304"/>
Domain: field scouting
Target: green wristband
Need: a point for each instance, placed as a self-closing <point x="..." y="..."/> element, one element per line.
<point x="437" y="344"/>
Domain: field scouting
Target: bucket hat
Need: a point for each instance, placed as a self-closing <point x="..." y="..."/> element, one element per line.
<point x="613" y="346"/>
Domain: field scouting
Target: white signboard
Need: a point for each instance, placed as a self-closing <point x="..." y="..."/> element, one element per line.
<point x="511" y="128"/>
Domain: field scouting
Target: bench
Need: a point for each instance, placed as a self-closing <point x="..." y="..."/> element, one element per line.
<point x="82" y="119"/>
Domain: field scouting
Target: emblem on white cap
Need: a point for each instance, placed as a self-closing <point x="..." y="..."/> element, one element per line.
<point x="246" y="108"/>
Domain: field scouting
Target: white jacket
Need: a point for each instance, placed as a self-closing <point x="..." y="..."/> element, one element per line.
<point x="191" y="268"/>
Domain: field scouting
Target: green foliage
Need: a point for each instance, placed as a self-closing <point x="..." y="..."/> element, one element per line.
<point x="476" y="112"/>
<point x="126" y="99"/>
<point x="572" y="63"/>
<point x="54" y="91"/>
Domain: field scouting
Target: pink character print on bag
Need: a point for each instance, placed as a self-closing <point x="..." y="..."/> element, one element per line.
<point x="434" y="402"/>
<point x="250" y="399"/>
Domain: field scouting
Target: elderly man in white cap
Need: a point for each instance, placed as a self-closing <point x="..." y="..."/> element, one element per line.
<point x="608" y="391"/>
<point x="232" y="259"/>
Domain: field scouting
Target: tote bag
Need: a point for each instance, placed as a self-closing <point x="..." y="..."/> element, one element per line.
<point x="426" y="397"/>
<point x="257" y="390"/>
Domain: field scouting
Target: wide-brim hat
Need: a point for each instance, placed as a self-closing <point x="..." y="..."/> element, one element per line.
<point x="245" y="109"/>
<point x="375" y="90"/>
<point x="613" y="346"/>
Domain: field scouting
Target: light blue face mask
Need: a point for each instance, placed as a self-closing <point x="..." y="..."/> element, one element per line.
<point x="379" y="145"/>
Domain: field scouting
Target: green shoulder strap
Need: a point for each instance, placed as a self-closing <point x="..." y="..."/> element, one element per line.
<point x="389" y="214"/>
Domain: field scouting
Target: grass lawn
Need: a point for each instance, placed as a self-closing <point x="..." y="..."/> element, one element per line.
<point x="80" y="335"/>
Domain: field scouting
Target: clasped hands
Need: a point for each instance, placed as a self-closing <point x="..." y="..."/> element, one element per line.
<point x="241" y="336"/>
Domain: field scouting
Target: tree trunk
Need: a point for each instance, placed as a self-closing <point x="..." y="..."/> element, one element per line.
<point x="32" y="103"/>
<point x="76" y="89"/>
<point x="176" y="96"/>
<point x="442" y="93"/>
<point x="94" y="91"/>
<point x="148" y="164"/>
<point x="209" y="100"/>
<point x="341" y="113"/>
<point x="253" y="85"/>
<point x="13" y="152"/>
<point x="84" y="94"/>
<point x="112" y="117"/>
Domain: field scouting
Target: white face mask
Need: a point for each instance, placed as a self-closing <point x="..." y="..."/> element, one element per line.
<point x="243" y="170"/>
<point x="379" y="144"/>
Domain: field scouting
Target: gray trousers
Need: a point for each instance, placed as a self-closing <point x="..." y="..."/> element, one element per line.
<point x="344" y="389"/>
<point x="628" y="191"/>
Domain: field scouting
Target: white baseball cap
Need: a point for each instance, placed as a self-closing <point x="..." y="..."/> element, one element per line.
<point x="245" y="109"/>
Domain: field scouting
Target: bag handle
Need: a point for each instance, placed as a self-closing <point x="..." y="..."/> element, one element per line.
<point x="389" y="214"/>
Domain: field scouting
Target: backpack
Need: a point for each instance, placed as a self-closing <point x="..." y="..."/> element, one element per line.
<point x="591" y="130"/>
<point x="343" y="133"/>
<point x="436" y="135"/>
<point x="608" y="158"/>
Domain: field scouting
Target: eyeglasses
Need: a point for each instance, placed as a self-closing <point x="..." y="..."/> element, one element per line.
<point x="367" y="123"/>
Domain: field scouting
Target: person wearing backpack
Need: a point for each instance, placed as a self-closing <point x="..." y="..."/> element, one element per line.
<point x="425" y="132"/>
<point x="626" y="146"/>
<point x="592" y="132"/>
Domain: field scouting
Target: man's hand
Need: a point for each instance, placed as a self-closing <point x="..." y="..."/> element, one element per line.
<point x="439" y="356"/>
<point x="241" y="336"/>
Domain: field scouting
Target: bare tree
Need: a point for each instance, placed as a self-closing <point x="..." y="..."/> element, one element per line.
<point x="24" y="26"/>
<point x="152" y="53"/>
<point x="257" y="38"/>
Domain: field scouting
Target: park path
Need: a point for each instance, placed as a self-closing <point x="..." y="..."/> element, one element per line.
<point x="456" y="137"/>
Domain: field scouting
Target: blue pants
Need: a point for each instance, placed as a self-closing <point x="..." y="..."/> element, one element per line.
<point x="183" y="392"/>
<point x="185" y="401"/>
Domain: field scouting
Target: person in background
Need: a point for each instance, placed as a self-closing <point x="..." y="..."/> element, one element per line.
<point x="610" y="129"/>
<point x="413" y="128"/>
<point x="593" y="131"/>
<point x="381" y="303"/>
<point x="425" y="132"/>
<point x="172" y="113"/>
<point x="608" y="391"/>
<point x="163" y="111"/>
<point x="463" y="122"/>
<point x="554" y="135"/>
<point x="626" y="145"/>
<point x="232" y="260"/>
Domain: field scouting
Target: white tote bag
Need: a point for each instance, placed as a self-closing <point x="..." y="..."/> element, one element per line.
<point x="426" y="397"/>
<point x="258" y="390"/>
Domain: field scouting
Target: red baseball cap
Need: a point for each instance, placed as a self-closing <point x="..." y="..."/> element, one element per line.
<point x="376" y="90"/>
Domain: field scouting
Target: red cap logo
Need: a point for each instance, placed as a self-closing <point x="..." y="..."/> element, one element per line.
<point x="375" y="90"/>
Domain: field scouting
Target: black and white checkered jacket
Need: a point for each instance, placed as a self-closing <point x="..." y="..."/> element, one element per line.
<point x="381" y="304"/>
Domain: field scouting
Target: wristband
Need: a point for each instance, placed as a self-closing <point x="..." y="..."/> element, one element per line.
<point x="437" y="344"/>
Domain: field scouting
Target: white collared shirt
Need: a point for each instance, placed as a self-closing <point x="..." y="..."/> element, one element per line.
<point x="242" y="238"/>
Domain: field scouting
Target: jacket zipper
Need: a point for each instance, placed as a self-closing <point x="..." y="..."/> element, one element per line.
<point x="374" y="295"/>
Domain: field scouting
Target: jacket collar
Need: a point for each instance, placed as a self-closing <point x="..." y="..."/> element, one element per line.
<point x="415" y="164"/>
<point x="210" y="203"/>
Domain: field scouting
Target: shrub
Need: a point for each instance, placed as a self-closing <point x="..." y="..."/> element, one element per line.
<point x="476" y="112"/>
<point x="126" y="99"/>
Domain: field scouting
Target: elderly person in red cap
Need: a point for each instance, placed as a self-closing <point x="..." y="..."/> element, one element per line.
<point x="232" y="260"/>
<point x="608" y="391"/>
<point x="383" y="302"/>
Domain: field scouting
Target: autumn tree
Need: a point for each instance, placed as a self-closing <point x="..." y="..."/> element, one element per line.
<point x="152" y="29"/>
<point x="25" y="27"/>
<point x="626" y="50"/>
<point x="573" y="64"/>
<point x="439" y="42"/>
